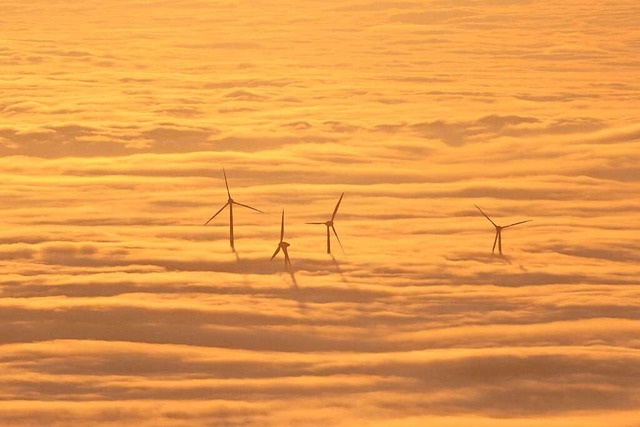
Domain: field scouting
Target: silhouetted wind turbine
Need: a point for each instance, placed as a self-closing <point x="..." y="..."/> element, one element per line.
<point x="282" y="245"/>
<point x="499" y="229"/>
<point x="230" y="203"/>
<point x="330" y="226"/>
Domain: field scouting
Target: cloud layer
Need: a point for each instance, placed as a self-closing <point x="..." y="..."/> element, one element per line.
<point x="118" y="306"/>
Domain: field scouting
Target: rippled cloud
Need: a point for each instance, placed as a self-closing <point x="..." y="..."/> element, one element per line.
<point x="119" y="306"/>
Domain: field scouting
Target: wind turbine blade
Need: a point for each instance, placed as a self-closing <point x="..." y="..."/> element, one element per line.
<point x="275" y="253"/>
<point x="517" y="223"/>
<point x="282" y="227"/>
<point x="226" y="183"/>
<point x="287" y="260"/>
<point x="336" y="234"/>
<point x="335" y="211"/>
<point x="486" y="216"/>
<point x="249" y="207"/>
<point x="216" y="214"/>
<point x="315" y="223"/>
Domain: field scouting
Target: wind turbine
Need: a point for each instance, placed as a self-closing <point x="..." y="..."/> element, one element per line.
<point x="230" y="203"/>
<point x="499" y="229"/>
<point x="282" y="245"/>
<point x="330" y="226"/>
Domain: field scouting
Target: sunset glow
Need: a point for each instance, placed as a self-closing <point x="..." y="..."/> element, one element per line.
<point x="119" y="307"/>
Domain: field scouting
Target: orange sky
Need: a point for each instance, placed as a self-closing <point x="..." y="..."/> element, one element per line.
<point x="119" y="308"/>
